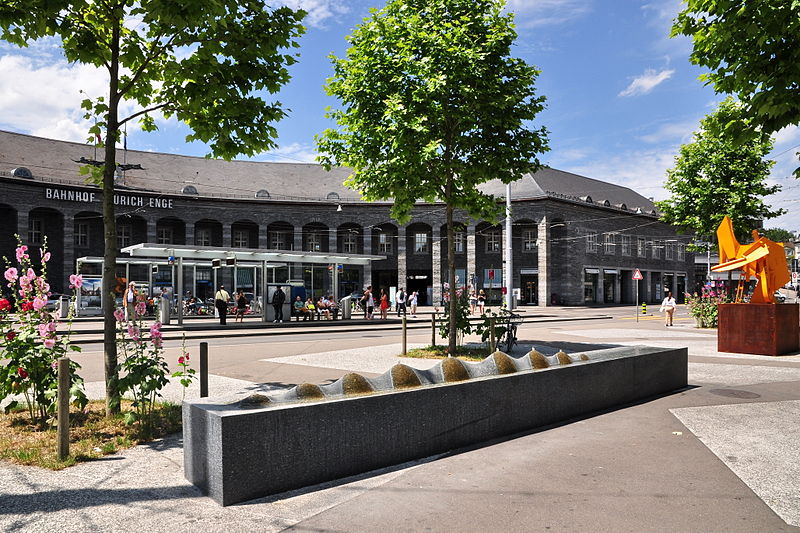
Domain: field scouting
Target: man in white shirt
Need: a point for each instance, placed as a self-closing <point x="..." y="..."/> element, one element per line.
<point x="400" y="299"/>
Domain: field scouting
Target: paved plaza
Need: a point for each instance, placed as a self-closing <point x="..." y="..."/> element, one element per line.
<point x="721" y="455"/>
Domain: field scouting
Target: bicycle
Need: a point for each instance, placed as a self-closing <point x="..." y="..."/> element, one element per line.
<point x="509" y="338"/>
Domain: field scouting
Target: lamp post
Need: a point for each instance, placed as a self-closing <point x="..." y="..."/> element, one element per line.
<point x="508" y="253"/>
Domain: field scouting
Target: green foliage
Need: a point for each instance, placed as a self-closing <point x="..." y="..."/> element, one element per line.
<point x="430" y="92"/>
<point x="715" y="176"/>
<point x="433" y="105"/>
<point x="778" y="235"/>
<point x="703" y="306"/>
<point x="30" y="343"/>
<point x="752" y="48"/>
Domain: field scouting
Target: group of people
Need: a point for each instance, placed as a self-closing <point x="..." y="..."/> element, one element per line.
<point x="221" y="300"/>
<point x="325" y="307"/>
<point x="404" y="303"/>
<point x="477" y="302"/>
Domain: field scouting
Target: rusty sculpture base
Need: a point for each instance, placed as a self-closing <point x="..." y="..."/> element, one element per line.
<point x="760" y="329"/>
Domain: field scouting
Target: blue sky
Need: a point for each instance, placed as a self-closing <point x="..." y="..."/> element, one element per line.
<point x="621" y="95"/>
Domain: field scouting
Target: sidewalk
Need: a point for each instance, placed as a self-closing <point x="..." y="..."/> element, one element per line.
<point x="722" y="455"/>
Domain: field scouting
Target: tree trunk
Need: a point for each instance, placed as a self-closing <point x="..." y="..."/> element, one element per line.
<point x="451" y="269"/>
<point x="110" y="232"/>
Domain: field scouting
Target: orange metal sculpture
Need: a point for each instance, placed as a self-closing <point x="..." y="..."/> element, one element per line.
<point x="763" y="259"/>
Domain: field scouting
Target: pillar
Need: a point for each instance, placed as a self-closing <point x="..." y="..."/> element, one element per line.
<point x="436" y="263"/>
<point x="227" y="235"/>
<point x="151" y="231"/>
<point x="472" y="262"/>
<point x="190" y="233"/>
<point x="367" y="276"/>
<point x="296" y="269"/>
<point x="543" y="263"/>
<point x="402" y="271"/>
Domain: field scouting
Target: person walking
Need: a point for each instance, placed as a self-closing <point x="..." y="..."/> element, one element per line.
<point x="241" y="306"/>
<point x="129" y="297"/>
<point x="369" y="303"/>
<point x="278" y="297"/>
<point x="221" y="299"/>
<point x="384" y="303"/>
<point x="400" y="298"/>
<point x="668" y="306"/>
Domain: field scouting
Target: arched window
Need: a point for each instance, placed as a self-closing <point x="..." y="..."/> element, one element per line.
<point x="263" y="193"/>
<point x="332" y="196"/>
<point x="189" y="189"/>
<point x="22" y="172"/>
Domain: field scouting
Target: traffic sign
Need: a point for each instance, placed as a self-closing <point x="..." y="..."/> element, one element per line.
<point x="637" y="275"/>
<point x="794" y="278"/>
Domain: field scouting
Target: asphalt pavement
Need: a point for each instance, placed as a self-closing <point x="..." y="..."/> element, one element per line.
<point x="721" y="455"/>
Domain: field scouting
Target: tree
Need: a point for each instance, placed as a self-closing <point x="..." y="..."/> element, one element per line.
<point x="778" y="235"/>
<point x="433" y="106"/>
<point x="199" y="61"/>
<point x="715" y="176"/>
<point x="753" y="50"/>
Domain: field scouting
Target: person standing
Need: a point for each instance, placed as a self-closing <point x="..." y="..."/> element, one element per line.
<point x="401" y="302"/>
<point x="668" y="306"/>
<point x="384" y="303"/>
<point x="369" y="303"/>
<point x="413" y="300"/>
<point x="241" y="306"/>
<point x="278" y="297"/>
<point x="221" y="299"/>
<point x="129" y="299"/>
<point x="481" y="302"/>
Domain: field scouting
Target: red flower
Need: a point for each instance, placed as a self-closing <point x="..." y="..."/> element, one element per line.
<point x="10" y="335"/>
<point x="180" y="360"/>
<point x="22" y="373"/>
<point x="27" y="306"/>
<point x="4" y="304"/>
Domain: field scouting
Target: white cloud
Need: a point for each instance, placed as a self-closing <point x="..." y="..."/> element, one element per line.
<point x="531" y="13"/>
<point x="290" y="153"/>
<point x="646" y="82"/>
<point x="671" y="132"/>
<point x="318" y="10"/>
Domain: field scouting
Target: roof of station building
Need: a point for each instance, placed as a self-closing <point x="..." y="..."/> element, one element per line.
<point x="59" y="162"/>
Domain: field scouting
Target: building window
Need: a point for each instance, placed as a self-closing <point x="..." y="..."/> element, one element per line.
<point x="313" y="242"/>
<point x="459" y="241"/>
<point x="82" y="234"/>
<point x="241" y="238"/>
<point x="202" y="237"/>
<point x="384" y="244"/>
<point x="591" y="242"/>
<point x="641" y="250"/>
<point x="278" y="240"/>
<point x="657" y="246"/>
<point x="123" y="235"/>
<point x="681" y="252"/>
<point x="35" y="230"/>
<point x="670" y="251"/>
<point x="164" y="236"/>
<point x="493" y="241"/>
<point x="529" y="240"/>
<point x="421" y="244"/>
<point x="626" y="244"/>
<point x="609" y="243"/>
<point x="350" y="243"/>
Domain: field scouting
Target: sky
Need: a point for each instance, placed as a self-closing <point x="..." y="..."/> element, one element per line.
<point x="621" y="95"/>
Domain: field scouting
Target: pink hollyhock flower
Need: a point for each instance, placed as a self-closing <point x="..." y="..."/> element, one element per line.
<point x="21" y="252"/>
<point x="155" y="329"/>
<point x="119" y="314"/>
<point x="133" y="332"/>
<point x="42" y="285"/>
<point x="43" y="330"/>
<point x="39" y="303"/>
<point x="157" y="341"/>
<point x="186" y="356"/>
<point x="11" y="274"/>
<point x="75" y="281"/>
<point x="22" y="373"/>
<point x="49" y="343"/>
<point x="180" y="360"/>
<point x="52" y="327"/>
<point x="54" y="365"/>
<point x="140" y="309"/>
<point x="45" y="256"/>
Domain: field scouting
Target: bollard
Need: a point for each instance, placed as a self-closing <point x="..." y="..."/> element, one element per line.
<point x="63" y="408"/>
<point x="405" y="337"/>
<point x="492" y="343"/>
<point x="644" y="308"/>
<point x="203" y="369"/>
<point x="433" y="329"/>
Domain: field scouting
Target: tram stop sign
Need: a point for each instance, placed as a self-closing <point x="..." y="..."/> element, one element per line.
<point x="637" y="275"/>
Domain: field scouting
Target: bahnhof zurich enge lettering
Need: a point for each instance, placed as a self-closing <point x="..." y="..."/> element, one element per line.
<point x="575" y="240"/>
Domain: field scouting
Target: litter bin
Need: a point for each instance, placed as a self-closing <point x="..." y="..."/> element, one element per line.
<point x="163" y="310"/>
<point x="346" y="306"/>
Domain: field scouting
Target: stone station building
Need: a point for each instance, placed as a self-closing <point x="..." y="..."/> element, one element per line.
<point x="575" y="240"/>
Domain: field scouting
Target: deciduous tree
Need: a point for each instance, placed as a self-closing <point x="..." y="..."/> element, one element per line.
<point x="433" y="105"/>
<point x="752" y="48"/>
<point x="202" y="62"/>
<point x="716" y="176"/>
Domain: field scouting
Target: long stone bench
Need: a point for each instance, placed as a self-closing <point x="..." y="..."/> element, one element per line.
<point x="268" y="444"/>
